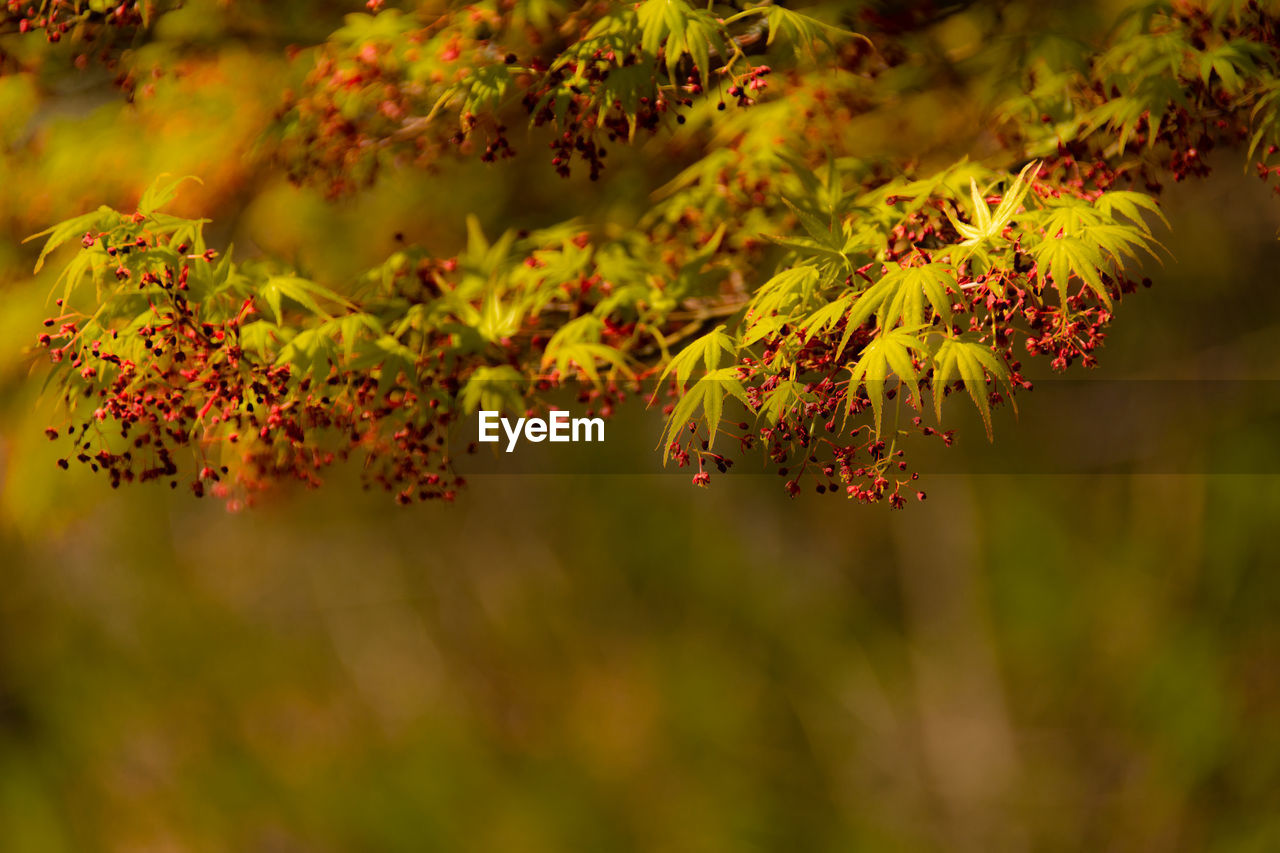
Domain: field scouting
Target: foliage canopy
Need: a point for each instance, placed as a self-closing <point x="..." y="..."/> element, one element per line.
<point x="810" y="278"/>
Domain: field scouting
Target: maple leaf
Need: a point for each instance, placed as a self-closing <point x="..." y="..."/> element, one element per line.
<point x="987" y="224"/>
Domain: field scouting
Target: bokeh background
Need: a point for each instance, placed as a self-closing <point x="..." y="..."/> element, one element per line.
<point x="1082" y="659"/>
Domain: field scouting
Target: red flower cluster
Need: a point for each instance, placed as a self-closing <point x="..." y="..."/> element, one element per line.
<point x="57" y="18"/>
<point x="183" y="388"/>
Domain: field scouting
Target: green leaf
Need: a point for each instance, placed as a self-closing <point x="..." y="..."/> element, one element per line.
<point x="825" y="317"/>
<point x="783" y="399"/>
<point x="1064" y="257"/>
<point x="299" y="290"/>
<point x="260" y="338"/>
<point x="161" y="192"/>
<point x="1121" y="242"/>
<point x="707" y="349"/>
<point x="820" y="231"/>
<point x="676" y="28"/>
<point x="390" y="357"/>
<point x="901" y="293"/>
<point x="889" y="353"/>
<point x="100" y="220"/>
<point x="707" y="393"/>
<point x="801" y="31"/>
<point x="762" y="327"/>
<point x="623" y="88"/>
<point x="352" y="328"/>
<point x="498" y="321"/>
<point x="494" y="389"/>
<point x="311" y="351"/>
<point x="1131" y="205"/>
<point x="1232" y="62"/>
<point x="987" y="224"/>
<point x="806" y="248"/>
<point x="74" y="272"/>
<point x="578" y="342"/>
<point x="485" y="88"/>
<point x="782" y="291"/>
<point x="970" y="361"/>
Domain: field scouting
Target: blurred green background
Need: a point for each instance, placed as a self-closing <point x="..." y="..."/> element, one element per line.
<point x="610" y="663"/>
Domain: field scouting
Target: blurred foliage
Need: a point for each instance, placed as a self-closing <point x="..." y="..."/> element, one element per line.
<point x="615" y="663"/>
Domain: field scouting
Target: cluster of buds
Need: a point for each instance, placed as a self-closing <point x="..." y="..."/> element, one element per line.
<point x="408" y="100"/>
<point x="57" y="18"/>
